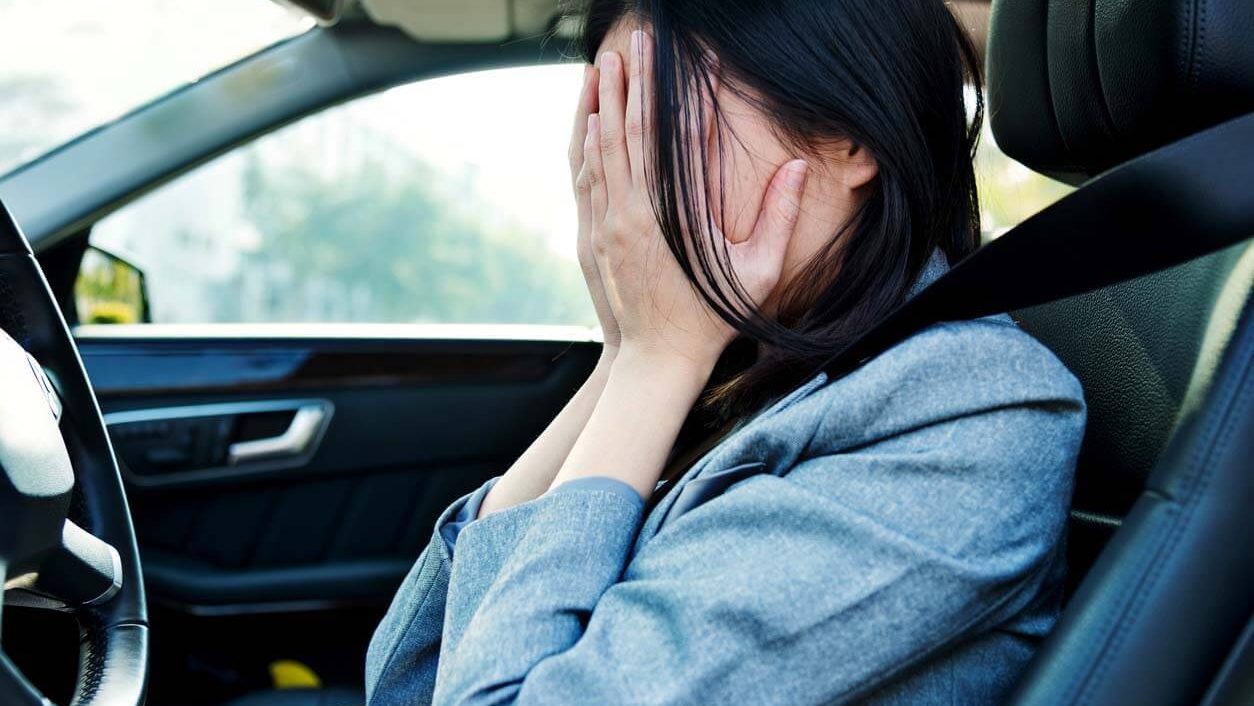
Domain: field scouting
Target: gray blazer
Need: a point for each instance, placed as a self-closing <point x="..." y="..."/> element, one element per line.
<point x="894" y="536"/>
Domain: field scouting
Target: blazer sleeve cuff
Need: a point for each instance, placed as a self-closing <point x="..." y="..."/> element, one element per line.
<point x="603" y="484"/>
<point x="466" y="510"/>
<point x="461" y="513"/>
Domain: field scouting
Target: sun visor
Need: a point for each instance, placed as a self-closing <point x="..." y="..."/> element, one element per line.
<point x="464" y="20"/>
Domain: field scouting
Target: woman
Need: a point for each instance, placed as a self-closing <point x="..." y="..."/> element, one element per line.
<point x="779" y="175"/>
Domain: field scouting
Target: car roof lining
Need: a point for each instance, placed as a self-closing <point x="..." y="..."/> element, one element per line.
<point x="464" y="20"/>
<point x="499" y="20"/>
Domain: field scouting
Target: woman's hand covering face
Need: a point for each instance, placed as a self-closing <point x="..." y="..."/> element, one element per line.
<point x="655" y="306"/>
<point x="587" y="261"/>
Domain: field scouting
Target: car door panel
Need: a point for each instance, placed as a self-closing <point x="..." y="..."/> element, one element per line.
<point x="303" y="553"/>
<point x="416" y="423"/>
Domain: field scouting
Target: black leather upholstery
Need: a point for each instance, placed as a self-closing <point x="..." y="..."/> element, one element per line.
<point x="1141" y="348"/>
<point x="1076" y="86"/>
<point x="1145" y="350"/>
<point x="1156" y="618"/>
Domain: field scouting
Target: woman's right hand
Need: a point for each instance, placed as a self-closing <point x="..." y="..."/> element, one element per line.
<point x="588" y="104"/>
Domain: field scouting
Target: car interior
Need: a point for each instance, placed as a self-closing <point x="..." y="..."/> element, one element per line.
<point x="220" y="515"/>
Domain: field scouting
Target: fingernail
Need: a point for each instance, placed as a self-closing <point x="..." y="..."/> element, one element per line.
<point x="607" y="60"/>
<point x="637" y="45"/>
<point x="594" y="124"/>
<point x="795" y="177"/>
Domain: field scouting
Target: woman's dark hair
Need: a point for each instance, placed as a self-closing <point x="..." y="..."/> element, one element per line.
<point x="891" y="76"/>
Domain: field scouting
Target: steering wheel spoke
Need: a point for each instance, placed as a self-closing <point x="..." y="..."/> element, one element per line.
<point x="83" y="570"/>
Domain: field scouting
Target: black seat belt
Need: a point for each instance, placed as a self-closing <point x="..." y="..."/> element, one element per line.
<point x="1177" y="203"/>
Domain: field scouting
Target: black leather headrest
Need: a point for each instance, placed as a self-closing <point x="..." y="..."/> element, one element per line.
<point x="1078" y="86"/>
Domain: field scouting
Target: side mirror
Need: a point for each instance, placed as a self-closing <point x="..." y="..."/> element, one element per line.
<point x="110" y="290"/>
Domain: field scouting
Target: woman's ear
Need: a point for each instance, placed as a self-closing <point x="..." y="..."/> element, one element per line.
<point x="855" y="165"/>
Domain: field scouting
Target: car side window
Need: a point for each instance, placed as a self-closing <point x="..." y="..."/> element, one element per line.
<point x="440" y="201"/>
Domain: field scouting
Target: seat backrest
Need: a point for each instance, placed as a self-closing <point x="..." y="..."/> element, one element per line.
<point x="1165" y="473"/>
<point x="1147" y="352"/>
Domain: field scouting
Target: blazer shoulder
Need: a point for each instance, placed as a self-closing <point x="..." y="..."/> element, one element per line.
<point x="991" y="355"/>
<point x="943" y="372"/>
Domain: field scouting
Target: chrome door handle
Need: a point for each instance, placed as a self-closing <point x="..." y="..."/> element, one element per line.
<point x="306" y="426"/>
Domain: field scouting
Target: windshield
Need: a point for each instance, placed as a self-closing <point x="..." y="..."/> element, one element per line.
<point x="72" y="65"/>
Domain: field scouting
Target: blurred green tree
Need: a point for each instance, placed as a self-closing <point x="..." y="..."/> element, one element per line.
<point x="383" y="235"/>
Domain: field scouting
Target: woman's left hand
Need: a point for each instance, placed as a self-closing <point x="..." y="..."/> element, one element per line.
<point x="659" y="311"/>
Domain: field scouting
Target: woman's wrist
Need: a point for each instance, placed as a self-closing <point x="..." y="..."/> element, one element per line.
<point x="662" y="374"/>
<point x="692" y="368"/>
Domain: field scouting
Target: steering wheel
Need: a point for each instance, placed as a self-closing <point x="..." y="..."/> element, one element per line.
<point x="66" y="539"/>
